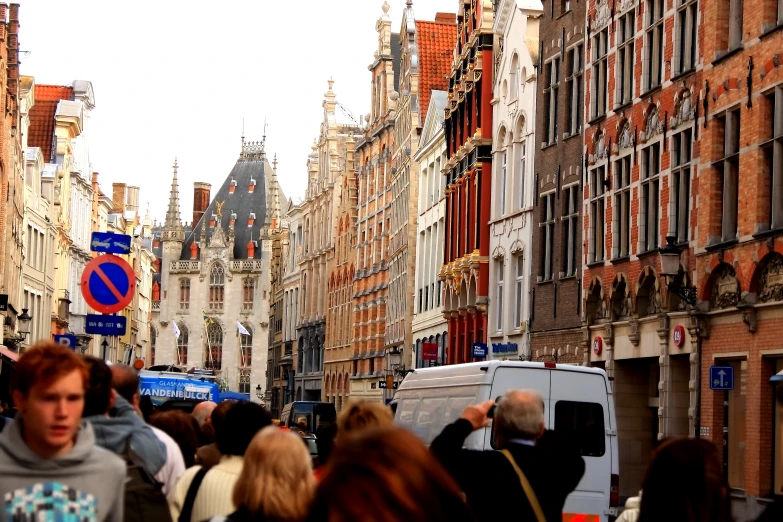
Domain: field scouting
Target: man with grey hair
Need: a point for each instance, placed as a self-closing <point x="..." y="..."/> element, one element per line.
<point x="530" y="453"/>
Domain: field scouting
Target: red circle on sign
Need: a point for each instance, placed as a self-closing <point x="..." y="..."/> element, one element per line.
<point x="679" y="335"/>
<point x="94" y="268"/>
<point x="598" y="345"/>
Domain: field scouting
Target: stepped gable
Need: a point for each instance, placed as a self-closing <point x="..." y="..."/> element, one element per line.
<point x="252" y="168"/>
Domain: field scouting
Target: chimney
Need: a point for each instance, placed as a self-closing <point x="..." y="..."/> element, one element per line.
<point x="118" y="197"/>
<point x="13" y="48"/>
<point x="133" y="200"/>
<point x="446" y="18"/>
<point x="200" y="200"/>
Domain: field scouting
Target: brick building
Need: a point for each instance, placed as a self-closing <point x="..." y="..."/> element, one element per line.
<point x="642" y="82"/>
<point x="739" y="248"/>
<point x="374" y="152"/>
<point x="556" y="260"/>
<point x="465" y="270"/>
<point x="425" y="58"/>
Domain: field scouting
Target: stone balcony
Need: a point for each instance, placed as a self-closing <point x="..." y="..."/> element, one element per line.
<point x="184" y="267"/>
<point x="247" y="265"/>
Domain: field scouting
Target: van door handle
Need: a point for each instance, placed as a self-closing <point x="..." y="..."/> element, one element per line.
<point x="611" y="432"/>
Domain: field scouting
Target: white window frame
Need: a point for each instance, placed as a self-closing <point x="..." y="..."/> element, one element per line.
<point x="518" y="290"/>
<point x="597" y="240"/>
<point x="729" y="171"/>
<point x="501" y="267"/>
<point x="547" y="236"/>
<point x="680" y="182"/>
<point x="522" y="174"/>
<point x="553" y="90"/>
<point x="575" y="87"/>
<point x="502" y="177"/>
<point x="686" y="36"/>
<point x="650" y="198"/>
<point x="571" y="233"/>
<point x="654" y="38"/>
<point x="625" y="57"/>
<point x="621" y="207"/>
<point x="774" y="155"/>
<point x="599" y="77"/>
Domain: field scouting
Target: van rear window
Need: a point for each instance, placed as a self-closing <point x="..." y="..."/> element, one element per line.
<point x="582" y="423"/>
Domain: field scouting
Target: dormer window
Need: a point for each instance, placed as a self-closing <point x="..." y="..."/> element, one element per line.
<point x="251" y="219"/>
<point x="233" y="218"/>
<point x="252" y="186"/>
<point x="213" y="221"/>
<point x="232" y="186"/>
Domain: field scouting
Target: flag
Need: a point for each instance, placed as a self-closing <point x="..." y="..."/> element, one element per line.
<point x="242" y="329"/>
<point x="176" y="329"/>
<point x="208" y="320"/>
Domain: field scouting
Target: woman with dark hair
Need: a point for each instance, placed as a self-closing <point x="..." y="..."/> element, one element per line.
<point x="182" y="428"/>
<point x="685" y="483"/>
<point x="386" y="475"/>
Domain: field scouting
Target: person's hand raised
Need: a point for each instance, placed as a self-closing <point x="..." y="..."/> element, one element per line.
<point x="477" y="414"/>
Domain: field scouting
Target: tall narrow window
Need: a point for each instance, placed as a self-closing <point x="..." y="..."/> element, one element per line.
<point x="653" y="43"/>
<point x="621" y="229"/>
<point x="246" y="347"/>
<point x="153" y="344"/>
<point x="728" y="168"/>
<point x="735" y="23"/>
<point x="182" y="345"/>
<point x="513" y="79"/>
<point x="649" y="204"/>
<point x="552" y="91"/>
<point x="599" y="77"/>
<point x="217" y="279"/>
<point x="597" y="214"/>
<point x="773" y="155"/>
<point x="571" y="233"/>
<point x="687" y="11"/>
<point x="522" y="172"/>
<point x="248" y="290"/>
<point x="626" y="27"/>
<point x="682" y="146"/>
<point x="501" y="267"/>
<point x="547" y="236"/>
<point x="575" y="89"/>
<point x="214" y="352"/>
<point x="518" y="289"/>
<point x="502" y="184"/>
<point x="184" y="294"/>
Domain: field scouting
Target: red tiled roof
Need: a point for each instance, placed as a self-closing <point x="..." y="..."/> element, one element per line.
<point x="41" y="131"/>
<point x="436" y="41"/>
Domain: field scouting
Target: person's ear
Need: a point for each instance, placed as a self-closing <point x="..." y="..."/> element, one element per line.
<point x="541" y="430"/>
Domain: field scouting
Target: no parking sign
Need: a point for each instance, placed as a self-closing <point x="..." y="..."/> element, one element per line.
<point x="108" y="283"/>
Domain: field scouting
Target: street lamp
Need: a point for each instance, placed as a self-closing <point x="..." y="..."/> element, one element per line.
<point x="670" y="269"/>
<point x="259" y="392"/>
<point x="25" y="321"/>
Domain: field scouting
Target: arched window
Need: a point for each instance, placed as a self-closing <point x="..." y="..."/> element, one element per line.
<point x="514" y="79"/>
<point x="184" y="294"/>
<point x="153" y="342"/>
<point x="214" y="356"/>
<point x="245" y="347"/>
<point x="217" y="281"/>
<point x="182" y="345"/>
<point x="248" y="290"/>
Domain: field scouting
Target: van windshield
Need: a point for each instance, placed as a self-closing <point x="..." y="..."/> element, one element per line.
<point x="311" y="416"/>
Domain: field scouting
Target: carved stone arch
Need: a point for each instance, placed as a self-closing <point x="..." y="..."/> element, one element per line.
<point x="724" y="287"/>
<point x="502" y="136"/>
<point x="517" y="248"/>
<point x="499" y="252"/>
<point x="595" y="304"/>
<point x="767" y="281"/>
<point x="648" y="293"/>
<point x="620" y="298"/>
<point x="520" y="125"/>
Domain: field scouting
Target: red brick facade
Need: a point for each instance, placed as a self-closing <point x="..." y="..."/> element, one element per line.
<point x="468" y="172"/>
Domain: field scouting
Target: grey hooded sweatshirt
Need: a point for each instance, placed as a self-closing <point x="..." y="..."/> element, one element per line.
<point x="127" y="433"/>
<point x="88" y="480"/>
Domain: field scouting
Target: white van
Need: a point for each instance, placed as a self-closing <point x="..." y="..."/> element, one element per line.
<point x="578" y="401"/>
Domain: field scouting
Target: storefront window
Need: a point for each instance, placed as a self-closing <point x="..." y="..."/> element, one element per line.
<point x="736" y="426"/>
<point x="778" y="438"/>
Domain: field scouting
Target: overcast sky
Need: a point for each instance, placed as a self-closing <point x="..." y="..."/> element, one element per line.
<point x="176" y="78"/>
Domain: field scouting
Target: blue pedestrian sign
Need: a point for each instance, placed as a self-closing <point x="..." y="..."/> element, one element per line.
<point x="721" y="378"/>
<point x="110" y="243"/>
<point x="479" y="350"/>
<point x="68" y="340"/>
<point x="106" y="324"/>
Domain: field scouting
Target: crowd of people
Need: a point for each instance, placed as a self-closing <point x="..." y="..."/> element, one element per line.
<point x="83" y="447"/>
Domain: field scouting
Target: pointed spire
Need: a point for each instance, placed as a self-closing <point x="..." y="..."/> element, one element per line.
<point x="172" y="228"/>
<point x="274" y="213"/>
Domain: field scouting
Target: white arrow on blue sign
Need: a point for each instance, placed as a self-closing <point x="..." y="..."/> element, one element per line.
<point x="721" y="378"/>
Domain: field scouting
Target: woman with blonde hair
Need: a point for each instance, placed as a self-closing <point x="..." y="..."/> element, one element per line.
<point x="276" y="483"/>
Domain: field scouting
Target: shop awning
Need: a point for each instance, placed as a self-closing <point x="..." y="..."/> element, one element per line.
<point x="8" y="354"/>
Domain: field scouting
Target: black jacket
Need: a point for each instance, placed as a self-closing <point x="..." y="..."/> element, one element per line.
<point x="773" y="513"/>
<point x="491" y="484"/>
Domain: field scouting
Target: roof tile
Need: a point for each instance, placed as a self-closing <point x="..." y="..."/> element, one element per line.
<point x="436" y="41"/>
<point x="41" y="130"/>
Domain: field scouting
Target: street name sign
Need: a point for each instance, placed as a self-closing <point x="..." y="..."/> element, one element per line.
<point x="108" y="283"/>
<point x="110" y="243"/>
<point x="721" y="378"/>
<point x="106" y="324"/>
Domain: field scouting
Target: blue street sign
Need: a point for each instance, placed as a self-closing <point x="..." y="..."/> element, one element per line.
<point x="110" y="243"/>
<point x="108" y="283"/>
<point x="479" y="350"/>
<point x="106" y="324"/>
<point x="68" y="340"/>
<point x="721" y="378"/>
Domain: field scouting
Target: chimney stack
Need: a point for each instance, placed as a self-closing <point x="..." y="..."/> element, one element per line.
<point x="200" y="200"/>
<point x="446" y="18"/>
<point x="118" y="197"/>
<point x="133" y="200"/>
